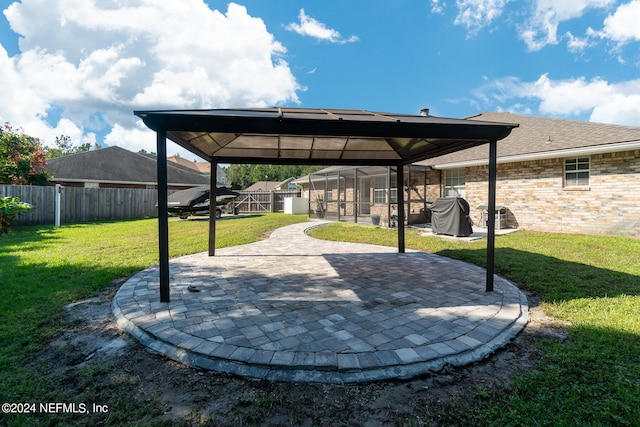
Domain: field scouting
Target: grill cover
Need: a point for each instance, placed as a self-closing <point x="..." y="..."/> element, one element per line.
<point x="450" y="215"/>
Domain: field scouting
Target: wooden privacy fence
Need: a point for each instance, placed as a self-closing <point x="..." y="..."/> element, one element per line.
<point x="79" y="204"/>
<point x="263" y="201"/>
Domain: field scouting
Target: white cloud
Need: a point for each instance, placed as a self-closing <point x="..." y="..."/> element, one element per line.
<point x="19" y="100"/>
<point x="85" y="65"/>
<point x="311" y="27"/>
<point x="624" y="25"/>
<point x="570" y="97"/>
<point x="477" y="14"/>
<point x="438" y="6"/>
<point x="601" y="101"/>
<point x="139" y="137"/>
<point x="541" y="28"/>
<point x="134" y="139"/>
<point x="577" y="44"/>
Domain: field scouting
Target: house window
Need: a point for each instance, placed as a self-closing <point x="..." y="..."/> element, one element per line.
<point x="454" y="181"/>
<point x="380" y="190"/>
<point x="576" y="172"/>
<point x="332" y="191"/>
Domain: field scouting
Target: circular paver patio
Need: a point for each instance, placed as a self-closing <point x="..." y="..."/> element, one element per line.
<point x="295" y="308"/>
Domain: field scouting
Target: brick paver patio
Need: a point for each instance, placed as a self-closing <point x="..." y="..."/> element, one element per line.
<point x="294" y="308"/>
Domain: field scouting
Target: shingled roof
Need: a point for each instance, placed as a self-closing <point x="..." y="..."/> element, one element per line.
<point x="118" y="165"/>
<point x="541" y="137"/>
<point x="202" y="167"/>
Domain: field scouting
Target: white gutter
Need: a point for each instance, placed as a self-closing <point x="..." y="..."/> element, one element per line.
<point x="582" y="151"/>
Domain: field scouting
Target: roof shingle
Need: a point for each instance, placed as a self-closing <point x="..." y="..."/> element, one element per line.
<point x="115" y="164"/>
<point x="537" y="135"/>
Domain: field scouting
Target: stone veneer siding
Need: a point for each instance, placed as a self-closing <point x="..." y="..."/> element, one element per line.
<point x="534" y="195"/>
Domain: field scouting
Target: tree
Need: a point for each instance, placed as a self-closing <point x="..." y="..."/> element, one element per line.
<point x="22" y="158"/>
<point x="64" y="146"/>
<point x="241" y="176"/>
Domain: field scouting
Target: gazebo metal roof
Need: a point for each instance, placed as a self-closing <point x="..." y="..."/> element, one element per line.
<point x="312" y="136"/>
<point x="319" y="136"/>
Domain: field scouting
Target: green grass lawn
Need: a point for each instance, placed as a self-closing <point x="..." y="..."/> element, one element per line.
<point x="43" y="268"/>
<point x="592" y="282"/>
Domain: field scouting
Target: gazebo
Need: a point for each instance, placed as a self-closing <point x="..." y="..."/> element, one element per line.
<point x="315" y="137"/>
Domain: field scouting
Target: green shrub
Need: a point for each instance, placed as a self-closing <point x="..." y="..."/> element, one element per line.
<point x="10" y="207"/>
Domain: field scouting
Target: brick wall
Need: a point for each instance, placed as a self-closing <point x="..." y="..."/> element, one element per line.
<point x="535" y="198"/>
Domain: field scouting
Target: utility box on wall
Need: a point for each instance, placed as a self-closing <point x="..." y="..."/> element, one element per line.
<point x="296" y="205"/>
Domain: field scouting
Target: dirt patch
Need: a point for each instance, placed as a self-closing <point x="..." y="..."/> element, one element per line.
<point x="92" y="343"/>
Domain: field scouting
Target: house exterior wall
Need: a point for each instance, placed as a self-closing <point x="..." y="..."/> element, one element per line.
<point x="535" y="198"/>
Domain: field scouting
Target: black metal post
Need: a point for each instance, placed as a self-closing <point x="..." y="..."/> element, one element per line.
<point x="325" y="203"/>
<point x="388" y="192"/>
<point x="491" y="223"/>
<point x="408" y="193"/>
<point x="355" y="195"/>
<point x="400" y="194"/>
<point x="163" y="215"/>
<point x="309" y="204"/>
<point x="213" y="192"/>
<point x="338" y="189"/>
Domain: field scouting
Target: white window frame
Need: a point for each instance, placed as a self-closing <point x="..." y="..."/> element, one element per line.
<point x="380" y="193"/>
<point x="332" y="185"/>
<point x="574" y="167"/>
<point x="454" y="182"/>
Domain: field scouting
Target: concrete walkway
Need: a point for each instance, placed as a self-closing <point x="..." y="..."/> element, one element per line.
<point x="295" y="308"/>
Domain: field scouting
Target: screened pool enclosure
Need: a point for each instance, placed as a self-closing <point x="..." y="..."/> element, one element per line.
<point x="357" y="194"/>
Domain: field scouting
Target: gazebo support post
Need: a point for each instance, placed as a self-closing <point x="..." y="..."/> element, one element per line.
<point x="213" y="192"/>
<point x="163" y="215"/>
<point x="408" y="193"/>
<point x="491" y="223"/>
<point x="388" y="195"/>
<point x="339" y="200"/>
<point x="400" y="195"/>
<point x="309" y="204"/>
<point x="325" y="203"/>
<point x="355" y="195"/>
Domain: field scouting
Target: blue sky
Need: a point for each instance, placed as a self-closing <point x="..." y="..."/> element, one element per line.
<point x="80" y="67"/>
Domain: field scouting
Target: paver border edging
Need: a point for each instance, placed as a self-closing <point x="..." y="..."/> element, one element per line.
<point x="328" y="376"/>
<point x="137" y="311"/>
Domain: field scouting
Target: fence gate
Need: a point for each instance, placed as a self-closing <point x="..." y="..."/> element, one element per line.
<point x="263" y="201"/>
